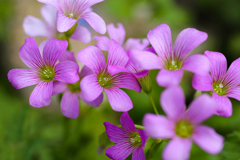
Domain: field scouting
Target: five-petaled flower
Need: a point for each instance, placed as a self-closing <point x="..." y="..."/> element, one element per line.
<point x="129" y="139"/>
<point x="183" y="126"/>
<point x="221" y="82"/>
<point x="44" y="70"/>
<point x="172" y="62"/>
<point x="93" y="85"/>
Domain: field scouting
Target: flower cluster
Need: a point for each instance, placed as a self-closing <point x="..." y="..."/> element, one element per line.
<point x="54" y="68"/>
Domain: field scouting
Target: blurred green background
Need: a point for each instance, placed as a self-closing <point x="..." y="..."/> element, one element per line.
<point x="28" y="133"/>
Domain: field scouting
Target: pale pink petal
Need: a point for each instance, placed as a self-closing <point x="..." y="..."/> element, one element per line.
<point x="117" y="33"/>
<point x="53" y="50"/>
<point x="166" y="78"/>
<point x="41" y="95"/>
<point x="136" y="43"/>
<point x="120" y="151"/>
<point x="187" y="40"/>
<point x="138" y="154"/>
<point x="117" y="56"/>
<point x="103" y="42"/>
<point x="208" y="139"/>
<point x="224" y="105"/>
<point x="118" y="99"/>
<point x="158" y="126"/>
<point x="197" y="63"/>
<point x="127" y="123"/>
<point x="85" y="71"/>
<point x="67" y="56"/>
<point x="64" y="23"/>
<point x="21" y="78"/>
<point x="150" y="49"/>
<point x="95" y="21"/>
<point x="126" y="80"/>
<point x="90" y="87"/>
<point x="83" y="6"/>
<point x="70" y="105"/>
<point x="116" y="69"/>
<point x="234" y="93"/>
<point x="218" y="64"/>
<point x="35" y="27"/>
<point x="82" y="34"/>
<point x="54" y="3"/>
<point x="59" y="87"/>
<point x="173" y="102"/>
<point x="66" y="72"/>
<point x="41" y="46"/>
<point x="49" y="14"/>
<point x="30" y="55"/>
<point x="177" y="149"/>
<point x="94" y="103"/>
<point x="93" y="58"/>
<point x="161" y="40"/>
<point x="232" y="77"/>
<point x="202" y="82"/>
<point x="202" y="108"/>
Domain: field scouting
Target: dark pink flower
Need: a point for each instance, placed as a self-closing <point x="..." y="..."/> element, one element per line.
<point x="129" y="139"/>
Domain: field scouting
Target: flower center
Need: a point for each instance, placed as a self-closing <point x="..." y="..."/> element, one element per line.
<point x="135" y="139"/>
<point x="173" y="65"/>
<point x="74" y="87"/>
<point x="47" y="73"/>
<point x="104" y="80"/>
<point x="184" y="129"/>
<point x="219" y="88"/>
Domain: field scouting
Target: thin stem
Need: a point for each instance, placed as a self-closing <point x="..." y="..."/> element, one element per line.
<point x="153" y="104"/>
<point x="138" y="126"/>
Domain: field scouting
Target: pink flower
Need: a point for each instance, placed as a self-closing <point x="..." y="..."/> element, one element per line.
<point x="221" y="82"/>
<point x="35" y="27"/>
<point x="93" y="85"/>
<point x="183" y="126"/>
<point x="70" y="11"/>
<point x="118" y="34"/>
<point x="129" y="140"/>
<point x="172" y="62"/>
<point x="72" y="91"/>
<point x="43" y="70"/>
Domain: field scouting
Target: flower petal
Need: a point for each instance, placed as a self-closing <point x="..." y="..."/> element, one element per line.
<point x="30" y="55"/>
<point x="177" y="148"/>
<point x="208" y="139"/>
<point x="232" y="77"/>
<point x="150" y="49"/>
<point x="144" y="137"/>
<point x="118" y="99"/>
<point x="85" y="71"/>
<point x="35" y="27"/>
<point x="83" y="6"/>
<point x="21" y="78"/>
<point x="136" y="43"/>
<point x="64" y="23"/>
<point x="138" y="154"/>
<point x="117" y="56"/>
<point x="158" y="126"/>
<point x="234" y="93"/>
<point x="116" y="134"/>
<point x="95" y="21"/>
<point x="224" y="105"/>
<point x="117" y="33"/>
<point x="94" y="103"/>
<point x="82" y="34"/>
<point x="67" y="56"/>
<point x="116" y="69"/>
<point x="70" y="105"/>
<point x="93" y="58"/>
<point x="126" y="80"/>
<point x="41" y="46"/>
<point x="173" y="102"/>
<point x="41" y="95"/>
<point x="197" y="63"/>
<point x="166" y="78"/>
<point x="161" y="40"/>
<point x="66" y="72"/>
<point x="90" y="87"/>
<point x="218" y="64"/>
<point x="59" y="87"/>
<point x="187" y="40"/>
<point x="127" y="123"/>
<point x="202" y="82"/>
<point x="103" y="42"/>
<point x="54" y="3"/>
<point x="49" y="14"/>
<point x="202" y="108"/>
<point x="53" y="50"/>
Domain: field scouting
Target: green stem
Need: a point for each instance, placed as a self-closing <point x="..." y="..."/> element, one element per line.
<point x="153" y="104"/>
<point x="138" y="126"/>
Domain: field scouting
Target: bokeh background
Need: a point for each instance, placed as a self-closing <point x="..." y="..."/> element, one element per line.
<point x="28" y="133"/>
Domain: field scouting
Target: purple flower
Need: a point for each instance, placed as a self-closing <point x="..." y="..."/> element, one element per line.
<point x="43" y="70"/>
<point x="72" y="91"/>
<point x="70" y="11"/>
<point x="118" y="34"/>
<point x="93" y="85"/>
<point x="172" y="62"/>
<point x="35" y="27"/>
<point x="221" y="82"/>
<point x="129" y="140"/>
<point x="183" y="126"/>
